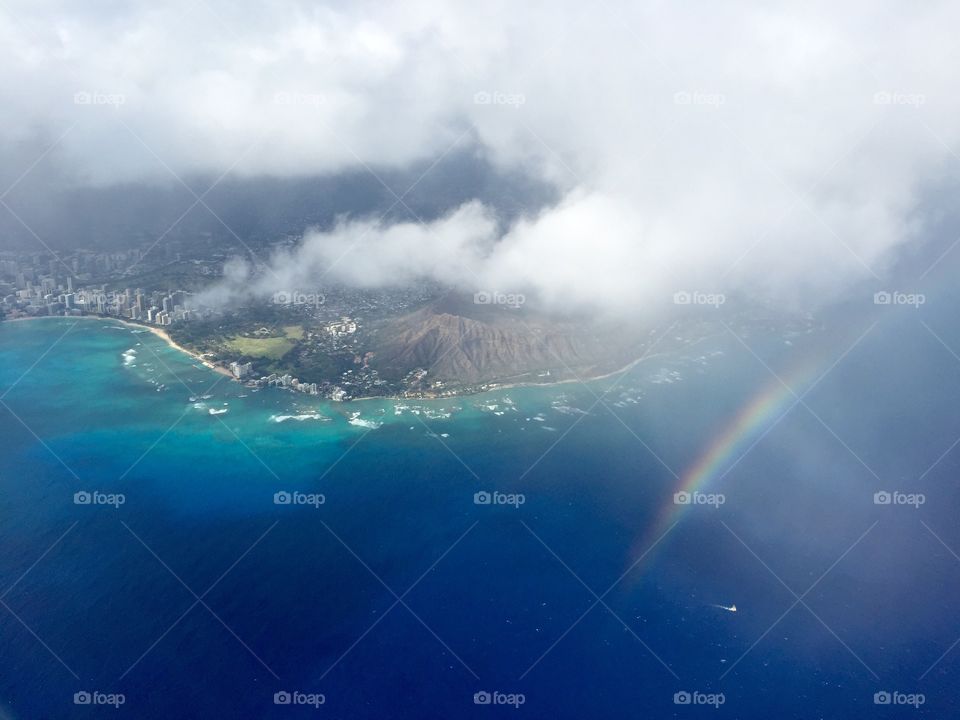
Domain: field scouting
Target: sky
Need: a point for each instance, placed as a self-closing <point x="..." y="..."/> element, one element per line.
<point x="780" y="150"/>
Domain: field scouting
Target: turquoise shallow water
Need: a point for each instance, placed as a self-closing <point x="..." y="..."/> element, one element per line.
<point x="501" y="598"/>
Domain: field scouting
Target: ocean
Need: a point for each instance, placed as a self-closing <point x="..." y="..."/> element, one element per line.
<point x="520" y="553"/>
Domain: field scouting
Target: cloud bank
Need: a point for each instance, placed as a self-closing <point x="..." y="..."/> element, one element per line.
<point x="772" y="149"/>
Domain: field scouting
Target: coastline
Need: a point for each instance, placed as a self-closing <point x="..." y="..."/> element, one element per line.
<point x="156" y="331"/>
<point x="165" y="336"/>
<point x="493" y="387"/>
<point x="582" y="381"/>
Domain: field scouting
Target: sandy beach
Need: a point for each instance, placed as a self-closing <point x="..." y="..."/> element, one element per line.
<point x="159" y="332"/>
<point x="165" y="336"/>
<point x="491" y="387"/>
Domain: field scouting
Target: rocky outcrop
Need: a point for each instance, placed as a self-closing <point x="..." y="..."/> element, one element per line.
<point x="499" y="344"/>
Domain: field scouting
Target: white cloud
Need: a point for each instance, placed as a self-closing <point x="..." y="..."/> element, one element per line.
<point x="369" y="253"/>
<point x="728" y="144"/>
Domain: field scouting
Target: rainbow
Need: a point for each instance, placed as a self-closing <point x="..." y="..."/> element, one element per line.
<point x="750" y="424"/>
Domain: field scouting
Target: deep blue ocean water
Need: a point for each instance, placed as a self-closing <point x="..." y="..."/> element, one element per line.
<point x="399" y="597"/>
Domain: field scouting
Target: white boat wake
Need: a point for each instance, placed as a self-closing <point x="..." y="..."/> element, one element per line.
<point x="728" y="608"/>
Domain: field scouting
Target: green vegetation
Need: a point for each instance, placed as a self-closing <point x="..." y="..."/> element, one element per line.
<point x="266" y="343"/>
<point x="271" y="348"/>
<point x="312" y="364"/>
<point x="267" y="336"/>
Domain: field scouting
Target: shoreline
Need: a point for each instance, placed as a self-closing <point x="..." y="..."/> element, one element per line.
<point x="593" y="378"/>
<point x="165" y="336"/>
<point x="156" y="331"/>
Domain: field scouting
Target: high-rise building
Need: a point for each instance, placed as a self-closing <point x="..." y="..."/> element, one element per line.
<point x="241" y="370"/>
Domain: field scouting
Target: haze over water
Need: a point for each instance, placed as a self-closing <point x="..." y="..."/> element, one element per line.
<point x="314" y="598"/>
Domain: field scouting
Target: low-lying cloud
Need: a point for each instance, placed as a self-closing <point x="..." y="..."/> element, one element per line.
<point x="780" y="150"/>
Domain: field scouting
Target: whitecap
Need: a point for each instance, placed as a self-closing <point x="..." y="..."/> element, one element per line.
<point x="299" y="418"/>
<point x="361" y="422"/>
